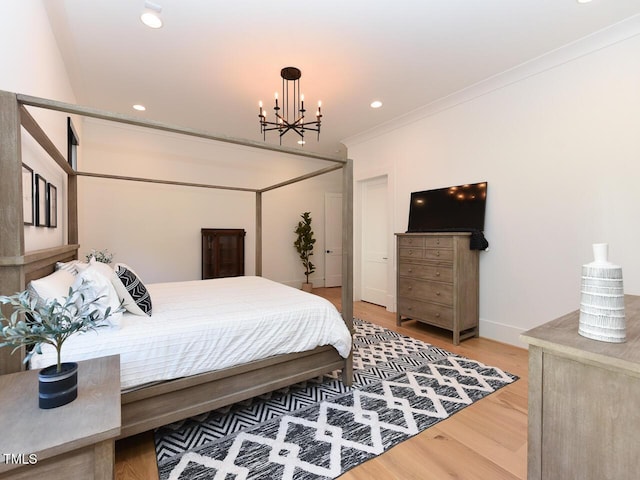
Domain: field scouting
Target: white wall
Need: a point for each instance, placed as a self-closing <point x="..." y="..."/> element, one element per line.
<point x="156" y="228"/>
<point x="32" y="65"/>
<point x="558" y="143"/>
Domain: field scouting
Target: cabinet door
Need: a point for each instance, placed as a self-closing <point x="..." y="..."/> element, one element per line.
<point x="229" y="256"/>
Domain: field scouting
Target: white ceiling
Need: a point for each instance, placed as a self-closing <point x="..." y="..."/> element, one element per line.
<point x="212" y="61"/>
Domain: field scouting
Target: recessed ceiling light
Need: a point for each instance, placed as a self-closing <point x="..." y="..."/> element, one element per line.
<point x="301" y="142"/>
<point x="376" y="104"/>
<point x="151" y="15"/>
<point x="140" y="108"/>
<point x="584" y="1"/>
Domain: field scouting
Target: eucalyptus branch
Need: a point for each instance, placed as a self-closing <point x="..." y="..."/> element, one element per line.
<point x="31" y="324"/>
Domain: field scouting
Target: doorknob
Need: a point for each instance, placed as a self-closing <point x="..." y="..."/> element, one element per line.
<point x="328" y="251"/>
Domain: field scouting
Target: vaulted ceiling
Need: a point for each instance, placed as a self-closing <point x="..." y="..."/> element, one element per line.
<point x="212" y="61"/>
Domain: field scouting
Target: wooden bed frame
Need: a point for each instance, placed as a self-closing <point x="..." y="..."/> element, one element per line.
<point x="153" y="406"/>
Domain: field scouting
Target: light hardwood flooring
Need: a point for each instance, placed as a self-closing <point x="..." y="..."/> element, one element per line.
<point x="485" y="441"/>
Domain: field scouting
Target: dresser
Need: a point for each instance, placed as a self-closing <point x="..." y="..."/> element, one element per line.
<point x="222" y="252"/>
<point x="437" y="282"/>
<point x="584" y="416"/>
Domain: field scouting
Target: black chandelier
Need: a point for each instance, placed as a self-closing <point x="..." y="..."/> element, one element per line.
<point x="290" y="117"/>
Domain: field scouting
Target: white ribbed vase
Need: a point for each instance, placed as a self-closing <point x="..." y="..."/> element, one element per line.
<point x="602" y="300"/>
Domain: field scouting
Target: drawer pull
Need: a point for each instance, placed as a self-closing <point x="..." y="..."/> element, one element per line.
<point x="438" y="241"/>
<point x="437" y="315"/>
<point x="410" y="288"/>
<point x="410" y="252"/>
<point x="437" y="274"/>
<point x="410" y="270"/>
<point x="438" y="293"/>
<point x="409" y="308"/>
<point x="438" y="253"/>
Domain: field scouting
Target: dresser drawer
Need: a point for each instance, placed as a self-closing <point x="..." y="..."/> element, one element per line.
<point x="411" y="242"/>
<point x="428" y="312"/>
<point x="426" y="290"/>
<point x="411" y="253"/>
<point x="438" y="254"/>
<point x="439" y="242"/>
<point x="428" y="272"/>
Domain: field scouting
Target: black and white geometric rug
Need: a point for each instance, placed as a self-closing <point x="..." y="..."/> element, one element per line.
<point x="320" y="429"/>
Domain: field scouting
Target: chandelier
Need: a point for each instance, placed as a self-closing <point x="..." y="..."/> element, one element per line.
<point x="289" y="114"/>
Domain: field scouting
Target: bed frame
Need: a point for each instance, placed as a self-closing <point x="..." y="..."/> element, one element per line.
<point x="153" y="406"/>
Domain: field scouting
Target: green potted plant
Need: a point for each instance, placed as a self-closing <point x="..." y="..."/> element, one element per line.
<point x="304" y="246"/>
<point x="32" y="325"/>
<point x="103" y="256"/>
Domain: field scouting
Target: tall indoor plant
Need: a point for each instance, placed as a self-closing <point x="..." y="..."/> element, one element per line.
<point x="304" y="245"/>
<point x="32" y="324"/>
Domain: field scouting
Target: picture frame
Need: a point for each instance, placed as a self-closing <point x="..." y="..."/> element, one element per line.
<point x="40" y="201"/>
<point x="27" y="195"/>
<point x="52" y="206"/>
<point x="72" y="144"/>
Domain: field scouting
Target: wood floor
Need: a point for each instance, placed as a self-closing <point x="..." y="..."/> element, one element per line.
<point x="485" y="441"/>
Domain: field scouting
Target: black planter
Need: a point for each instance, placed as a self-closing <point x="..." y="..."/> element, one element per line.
<point x="57" y="389"/>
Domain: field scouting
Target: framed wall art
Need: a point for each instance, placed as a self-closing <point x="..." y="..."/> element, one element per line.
<point x="52" y="206"/>
<point x="72" y="144"/>
<point x="41" y="201"/>
<point x="27" y="195"/>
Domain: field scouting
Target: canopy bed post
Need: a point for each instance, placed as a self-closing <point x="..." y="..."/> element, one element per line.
<point x="259" y="234"/>
<point x="347" y="259"/>
<point x="11" y="217"/>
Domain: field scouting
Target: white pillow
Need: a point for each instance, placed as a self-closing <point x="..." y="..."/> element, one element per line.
<point x="52" y="286"/>
<point x="103" y="268"/>
<point x="100" y="286"/>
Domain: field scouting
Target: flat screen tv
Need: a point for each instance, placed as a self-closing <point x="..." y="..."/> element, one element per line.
<point x="452" y="209"/>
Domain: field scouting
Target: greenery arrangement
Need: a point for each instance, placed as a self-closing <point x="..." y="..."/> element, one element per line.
<point x="53" y="323"/>
<point x="304" y="243"/>
<point x="100" y="255"/>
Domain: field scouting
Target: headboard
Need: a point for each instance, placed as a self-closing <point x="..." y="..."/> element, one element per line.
<point x="20" y="271"/>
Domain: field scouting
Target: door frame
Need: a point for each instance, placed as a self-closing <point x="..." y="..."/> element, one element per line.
<point x="357" y="237"/>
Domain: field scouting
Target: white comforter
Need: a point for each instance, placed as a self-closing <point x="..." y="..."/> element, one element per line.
<point x="205" y="325"/>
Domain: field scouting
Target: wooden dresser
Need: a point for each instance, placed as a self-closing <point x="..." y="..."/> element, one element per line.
<point x="222" y="252"/>
<point x="584" y="412"/>
<point x="438" y="281"/>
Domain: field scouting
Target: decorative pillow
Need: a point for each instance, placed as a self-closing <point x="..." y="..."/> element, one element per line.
<point x="55" y="285"/>
<point x="73" y="267"/>
<point x="101" y="288"/>
<point x="131" y="290"/>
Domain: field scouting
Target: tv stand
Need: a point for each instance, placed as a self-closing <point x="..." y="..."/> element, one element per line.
<point x="437" y="281"/>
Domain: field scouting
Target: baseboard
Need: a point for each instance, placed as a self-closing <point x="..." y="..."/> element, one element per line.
<point x="501" y="333"/>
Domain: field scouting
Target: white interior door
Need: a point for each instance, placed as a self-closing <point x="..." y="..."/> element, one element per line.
<point x="333" y="240"/>
<point x="374" y="241"/>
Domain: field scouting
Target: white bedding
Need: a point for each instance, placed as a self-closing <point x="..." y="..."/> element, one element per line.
<point x="204" y="325"/>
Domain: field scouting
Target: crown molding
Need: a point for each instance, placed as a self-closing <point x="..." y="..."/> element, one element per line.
<point x="601" y="39"/>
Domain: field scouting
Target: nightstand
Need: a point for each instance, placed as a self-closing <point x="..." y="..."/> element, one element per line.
<point x="73" y="441"/>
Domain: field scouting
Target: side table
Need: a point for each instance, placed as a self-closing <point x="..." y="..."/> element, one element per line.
<point x="76" y="440"/>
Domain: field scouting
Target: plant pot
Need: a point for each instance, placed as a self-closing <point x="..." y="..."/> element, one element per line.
<point x="307" y="287"/>
<point x="57" y="389"/>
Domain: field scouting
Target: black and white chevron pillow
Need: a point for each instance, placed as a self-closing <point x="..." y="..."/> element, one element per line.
<point x="131" y="290"/>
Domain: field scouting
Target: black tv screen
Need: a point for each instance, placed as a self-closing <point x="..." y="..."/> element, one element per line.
<point x="458" y="208"/>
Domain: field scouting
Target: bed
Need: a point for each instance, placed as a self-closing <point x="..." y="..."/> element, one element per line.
<point x="160" y="402"/>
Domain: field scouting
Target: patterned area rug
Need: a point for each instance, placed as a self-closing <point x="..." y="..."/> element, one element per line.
<point x="320" y="429"/>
